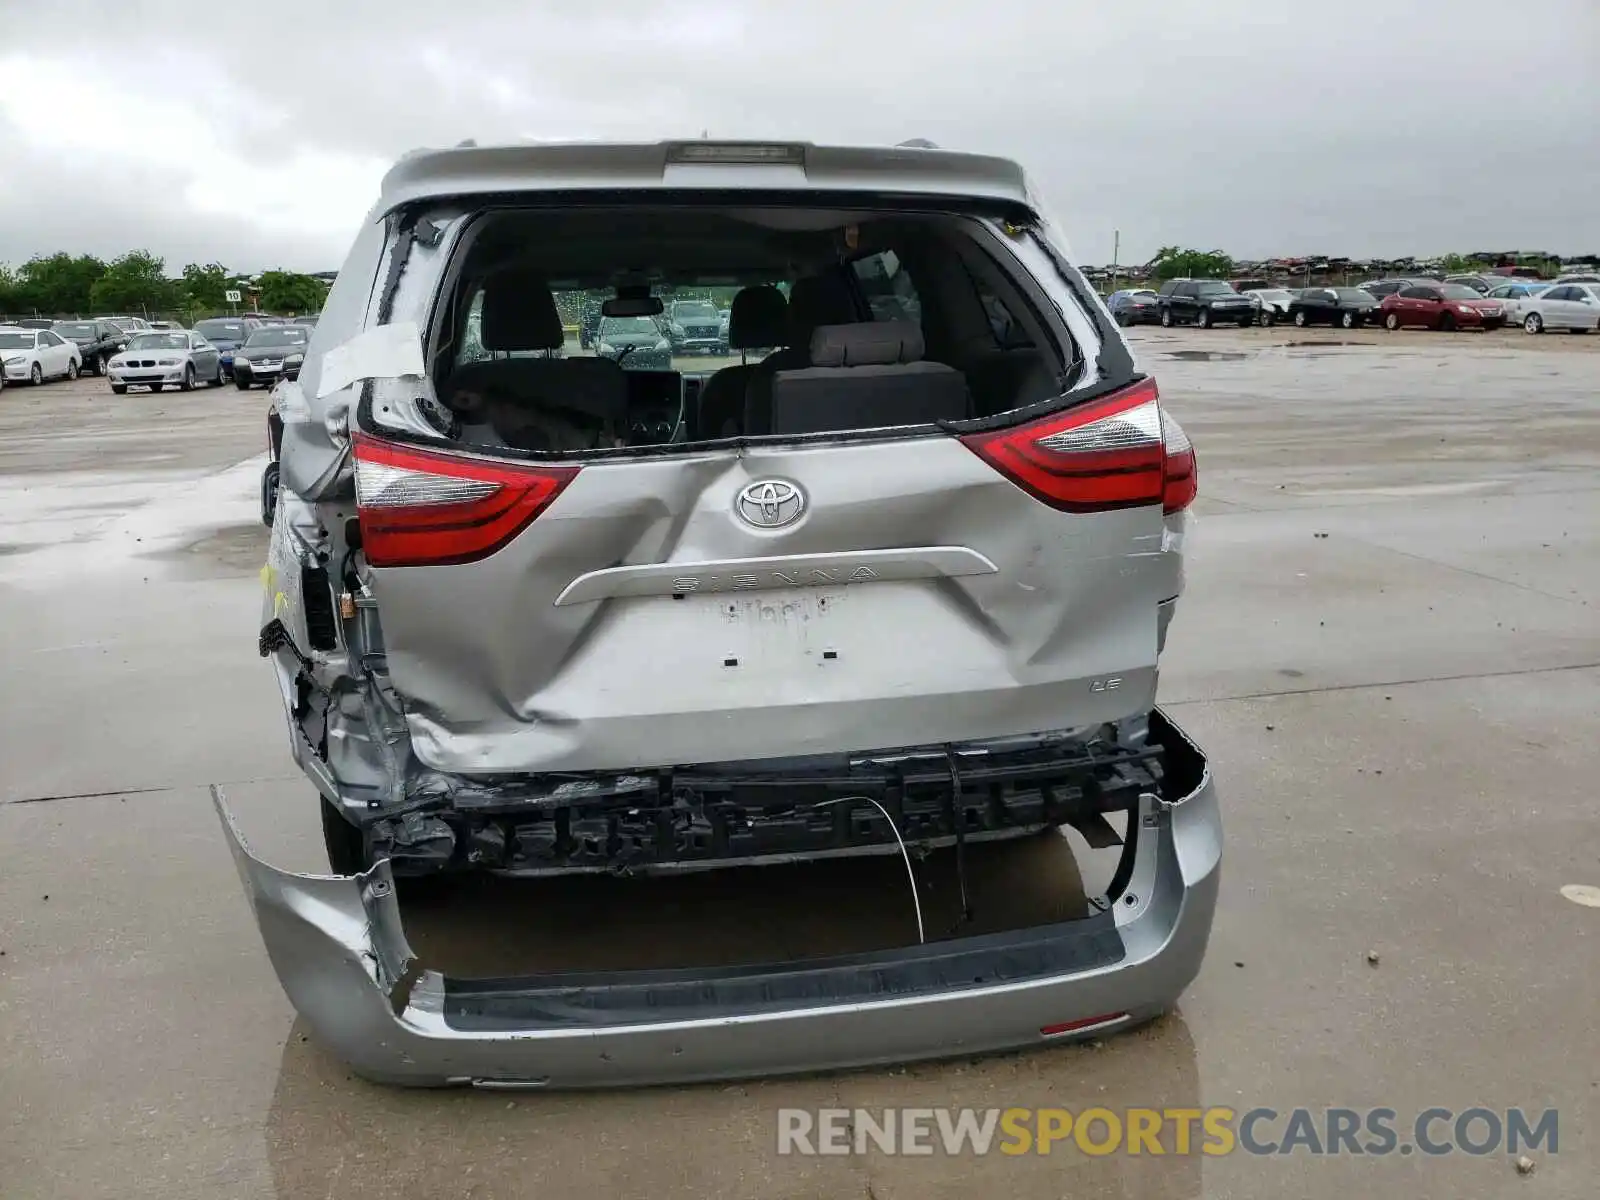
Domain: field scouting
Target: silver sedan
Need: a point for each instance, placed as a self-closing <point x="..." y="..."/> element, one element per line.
<point x="177" y="357"/>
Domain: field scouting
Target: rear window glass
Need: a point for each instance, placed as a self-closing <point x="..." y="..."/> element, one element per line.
<point x="221" y="329"/>
<point x="76" y="329"/>
<point x="159" y="341"/>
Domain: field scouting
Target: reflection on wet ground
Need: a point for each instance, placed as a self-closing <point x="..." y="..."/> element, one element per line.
<point x="491" y="927"/>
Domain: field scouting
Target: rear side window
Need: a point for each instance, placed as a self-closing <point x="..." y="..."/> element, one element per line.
<point x="887" y="286"/>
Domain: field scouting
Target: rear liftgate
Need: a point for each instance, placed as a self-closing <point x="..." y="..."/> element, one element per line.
<point x="338" y="946"/>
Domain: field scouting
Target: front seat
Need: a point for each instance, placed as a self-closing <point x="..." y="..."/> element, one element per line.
<point x="814" y="301"/>
<point x="519" y="315"/>
<point x="757" y="321"/>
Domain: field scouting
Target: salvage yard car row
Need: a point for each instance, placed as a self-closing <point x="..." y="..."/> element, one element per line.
<point x="132" y="352"/>
<point x="1395" y="304"/>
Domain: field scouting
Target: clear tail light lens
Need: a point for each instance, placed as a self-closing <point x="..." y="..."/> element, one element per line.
<point x="1121" y="451"/>
<point x="428" y="508"/>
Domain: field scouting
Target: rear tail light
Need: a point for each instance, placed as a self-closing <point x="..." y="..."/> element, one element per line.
<point x="1121" y="451"/>
<point x="425" y="508"/>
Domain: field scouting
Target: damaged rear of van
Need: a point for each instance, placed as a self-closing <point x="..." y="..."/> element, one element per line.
<point x="553" y="589"/>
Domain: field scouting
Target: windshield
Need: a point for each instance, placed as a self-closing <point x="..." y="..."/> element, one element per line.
<point x="693" y="311"/>
<point x="74" y="329"/>
<point x="159" y="341"/>
<point x="628" y="327"/>
<point x="16" y="341"/>
<point x="1214" y="288"/>
<point x="280" y="335"/>
<point x="1354" y="295"/>
<point x="231" y="330"/>
<point x="1455" y="291"/>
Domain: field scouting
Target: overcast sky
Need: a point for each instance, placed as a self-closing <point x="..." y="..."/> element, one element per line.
<point x="255" y="135"/>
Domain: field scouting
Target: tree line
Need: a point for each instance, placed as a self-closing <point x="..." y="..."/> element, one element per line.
<point x="69" y="284"/>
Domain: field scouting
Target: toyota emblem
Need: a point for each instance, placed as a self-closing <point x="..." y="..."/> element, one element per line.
<point x="770" y="503"/>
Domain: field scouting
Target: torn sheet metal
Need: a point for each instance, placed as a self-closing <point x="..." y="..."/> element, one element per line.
<point x="339" y="949"/>
<point x="381" y="352"/>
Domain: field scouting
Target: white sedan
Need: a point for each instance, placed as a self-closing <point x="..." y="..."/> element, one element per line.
<point x="34" y="355"/>
<point x="1572" y="306"/>
<point x="1512" y="295"/>
<point x="179" y="357"/>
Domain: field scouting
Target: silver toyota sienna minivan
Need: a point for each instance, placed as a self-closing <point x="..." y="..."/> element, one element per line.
<point x="545" y="597"/>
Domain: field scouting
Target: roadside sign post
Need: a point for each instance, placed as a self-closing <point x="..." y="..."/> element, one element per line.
<point x="232" y="297"/>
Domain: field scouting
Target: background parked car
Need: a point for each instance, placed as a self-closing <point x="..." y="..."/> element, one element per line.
<point x="35" y="355"/>
<point x="695" y="327"/>
<point x="176" y="356"/>
<point x="1571" y="306"/>
<point x="1444" y="306"/>
<point x="270" y="353"/>
<point x="1204" y="302"/>
<point x="96" y="341"/>
<point x="1381" y="288"/>
<point x="227" y="334"/>
<point x="1578" y="278"/>
<point x="1274" y="303"/>
<point x="1511" y="296"/>
<point x="1482" y="284"/>
<point x="1135" y="306"/>
<point x="130" y="324"/>
<point x="635" y="343"/>
<point x="1346" y="307"/>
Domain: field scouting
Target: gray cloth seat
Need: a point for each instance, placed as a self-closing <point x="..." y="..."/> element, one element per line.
<point x="757" y="321"/>
<point x="519" y="315"/>
<point x="814" y="301"/>
<point x="867" y="376"/>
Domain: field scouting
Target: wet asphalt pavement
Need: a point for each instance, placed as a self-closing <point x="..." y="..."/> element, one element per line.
<point x="1390" y="648"/>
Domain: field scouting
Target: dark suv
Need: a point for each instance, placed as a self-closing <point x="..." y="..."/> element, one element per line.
<point x="1204" y="302"/>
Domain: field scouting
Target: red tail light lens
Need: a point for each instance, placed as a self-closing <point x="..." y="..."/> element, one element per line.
<point x="1121" y="451"/>
<point x="426" y="508"/>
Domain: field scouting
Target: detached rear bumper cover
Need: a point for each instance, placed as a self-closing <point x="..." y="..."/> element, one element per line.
<point x="337" y="945"/>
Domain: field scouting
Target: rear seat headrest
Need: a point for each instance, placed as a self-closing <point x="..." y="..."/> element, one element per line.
<point x="870" y="343"/>
<point x="519" y="313"/>
<point x="758" y="318"/>
<point x="817" y="300"/>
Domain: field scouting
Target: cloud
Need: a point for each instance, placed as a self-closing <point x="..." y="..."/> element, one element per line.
<point x="257" y="136"/>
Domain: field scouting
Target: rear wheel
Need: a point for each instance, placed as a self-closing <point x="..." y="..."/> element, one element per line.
<point x="1166" y="318"/>
<point x="120" y="389"/>
<point x="1534" y="323"/>
<point x="72" y="368"/>
<point x="1392" y="322"/>
<point x="1301" y="320"/>
<point x="102" y="364"/>
<point x="36" y="376"/>
<point x="346" y="853"/>
<point x="188" y="378"/>
<point x="1267" y="318"/>
<point x="241" y="383"/>
<point x="1348" y="320"/>
<point x="216" y="380"/>
<point x="1447" y="323"/>
<point x="1203" y="318"/>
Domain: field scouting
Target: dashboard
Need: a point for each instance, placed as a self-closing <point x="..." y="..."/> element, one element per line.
<point x="659" y="406"/>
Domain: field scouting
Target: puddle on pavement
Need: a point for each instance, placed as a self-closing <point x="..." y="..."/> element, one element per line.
<point x="242" y="546"/>
<point x="1207" y="355"/>
<point x="489" y="926"/>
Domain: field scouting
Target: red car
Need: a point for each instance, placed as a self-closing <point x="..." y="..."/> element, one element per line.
<point x="1440" y="306"/>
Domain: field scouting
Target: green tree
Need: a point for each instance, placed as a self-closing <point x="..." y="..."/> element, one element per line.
<point x="136" y="281"/>
<point x="203" y="287"/>
<point x="287" y="292"/>
<point x="1171" y="262"/>
<point x="10" y="297"/>
<point x="58" y="283"/>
